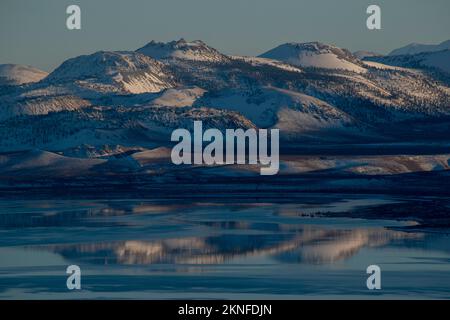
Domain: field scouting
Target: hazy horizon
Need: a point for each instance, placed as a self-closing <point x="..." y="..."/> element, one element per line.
<point x="34" y="32"/>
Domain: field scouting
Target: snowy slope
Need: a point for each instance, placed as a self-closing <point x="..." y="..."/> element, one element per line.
<point x="292" y="112"/>
<point x="194" y="50"/>
<point x="39" y="162"/>
<point x="369" y="165"/>
<point x="108" y="130"/>
<point x="315" y="54"/>
<point x="415" y="48"/>
<point x="43" y="103"/>
<point x="16" y="74"/>
<point x="122" y="72"/>
<point x="258" y="61"/>
<point x="381" y="66"/>
<point x="157" y="155"/>
<point x="182" y="97"/>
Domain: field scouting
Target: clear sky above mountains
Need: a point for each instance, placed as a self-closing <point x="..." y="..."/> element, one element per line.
<point x="34" y="32"/>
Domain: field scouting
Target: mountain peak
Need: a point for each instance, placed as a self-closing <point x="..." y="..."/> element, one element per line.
<point x="122" y="71"/>
<point x="315" y="54"/>
<point x="312" y="46"/>
<point x="17" y="74"/>
<point x="195" y="50"/>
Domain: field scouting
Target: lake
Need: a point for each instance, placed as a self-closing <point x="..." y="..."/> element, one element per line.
<point x="215" y="248"/>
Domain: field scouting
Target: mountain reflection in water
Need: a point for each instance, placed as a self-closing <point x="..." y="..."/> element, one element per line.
<point x="308" y="245"/>
<point x="204" y="249"/>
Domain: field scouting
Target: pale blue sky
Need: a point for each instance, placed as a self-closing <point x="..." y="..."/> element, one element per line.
<point x="34" y="32"/>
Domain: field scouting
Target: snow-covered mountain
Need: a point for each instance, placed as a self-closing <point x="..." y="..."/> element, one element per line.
<point x="361" y="54"/>
<point x="194" y="50"/>
<point x="315" y="54"/>
<point x="78" y="81"/>
<point x="415" y="48"/>
<point x="38" y="103"/>
<point x="17" y="74"/>
<point x="108" y="102"/>
<point x="109" y="128"/>
<point x="107" y="71"/>
<point x="290" y="111"/>
<point x="434" y="60"/>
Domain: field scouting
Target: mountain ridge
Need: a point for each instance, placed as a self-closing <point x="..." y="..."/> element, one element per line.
<point x="122" y="71"/>
<point x="315" y="54"/>
<point x="128" y="99"/>
<point x="415" y="48"/>
<point x="433" y="60"/>
<point x="195" y="50"/>
<point x="16" y="74"/>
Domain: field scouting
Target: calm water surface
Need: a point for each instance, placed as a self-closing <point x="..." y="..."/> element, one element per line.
<point x="214" y="249"/>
